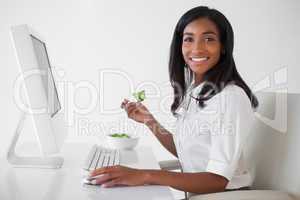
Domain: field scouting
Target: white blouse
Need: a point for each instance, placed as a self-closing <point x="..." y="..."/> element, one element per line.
<point x="211" y="139"/>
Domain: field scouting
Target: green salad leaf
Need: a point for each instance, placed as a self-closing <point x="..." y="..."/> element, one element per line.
<point x="139" y="96"/>
<point x="122" y="135"/>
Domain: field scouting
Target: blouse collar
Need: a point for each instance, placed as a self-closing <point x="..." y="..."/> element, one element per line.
<point x="193" y="90"/>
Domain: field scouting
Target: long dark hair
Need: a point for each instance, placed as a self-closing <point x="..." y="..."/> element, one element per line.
<point x="219" y="76"/>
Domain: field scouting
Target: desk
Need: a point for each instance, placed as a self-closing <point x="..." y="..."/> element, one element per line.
<point x="66" y="183"/>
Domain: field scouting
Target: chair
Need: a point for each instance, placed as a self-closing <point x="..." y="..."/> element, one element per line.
<point x="272" y="155"/>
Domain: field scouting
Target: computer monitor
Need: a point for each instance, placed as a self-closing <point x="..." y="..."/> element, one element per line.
<point x="43" y="105"/>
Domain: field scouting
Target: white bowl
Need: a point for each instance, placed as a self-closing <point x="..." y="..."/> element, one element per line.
<point x="122" y="143"/>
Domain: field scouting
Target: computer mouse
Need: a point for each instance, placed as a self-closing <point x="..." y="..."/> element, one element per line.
<point x="89" y="180"/>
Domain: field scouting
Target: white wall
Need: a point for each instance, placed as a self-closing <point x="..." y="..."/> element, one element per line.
<point x="84" y="37"/>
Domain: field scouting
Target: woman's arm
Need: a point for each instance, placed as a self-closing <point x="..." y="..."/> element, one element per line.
<point x="163" y="135"/>
<point x="202" y="182"/>
<point x="139" y="113"/>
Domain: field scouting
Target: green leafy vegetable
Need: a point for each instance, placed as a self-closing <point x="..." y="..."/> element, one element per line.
<point x="123" y="135"/>
<point x="139" y="96"/>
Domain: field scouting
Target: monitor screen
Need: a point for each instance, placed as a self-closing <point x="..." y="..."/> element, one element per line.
<point x="48" y="81"/>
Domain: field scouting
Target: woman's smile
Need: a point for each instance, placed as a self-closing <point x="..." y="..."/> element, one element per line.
<point x="198" y="60"/>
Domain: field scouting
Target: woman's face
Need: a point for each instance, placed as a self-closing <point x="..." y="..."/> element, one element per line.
<point x="201" y="46"/>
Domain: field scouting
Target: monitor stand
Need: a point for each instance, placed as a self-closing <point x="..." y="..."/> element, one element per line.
<point x="30" y="161"/>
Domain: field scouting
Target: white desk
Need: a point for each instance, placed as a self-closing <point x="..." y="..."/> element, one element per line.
<point x="66" y="183"/>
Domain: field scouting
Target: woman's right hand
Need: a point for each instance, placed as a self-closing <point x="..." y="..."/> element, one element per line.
<point x="137" y="111"/>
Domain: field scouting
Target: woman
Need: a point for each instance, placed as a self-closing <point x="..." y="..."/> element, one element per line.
<point x="213" y="107"/>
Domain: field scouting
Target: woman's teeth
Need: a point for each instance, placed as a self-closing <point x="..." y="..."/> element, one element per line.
<point x="199" y="59"/>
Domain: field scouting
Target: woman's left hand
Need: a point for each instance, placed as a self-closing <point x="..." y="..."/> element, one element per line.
<point x="118" y="175"/>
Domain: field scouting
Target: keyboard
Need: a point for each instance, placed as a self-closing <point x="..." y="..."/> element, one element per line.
<point x="101" y="157"/>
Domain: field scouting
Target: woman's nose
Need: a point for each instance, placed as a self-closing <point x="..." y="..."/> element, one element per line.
<point x="199" y="46"/>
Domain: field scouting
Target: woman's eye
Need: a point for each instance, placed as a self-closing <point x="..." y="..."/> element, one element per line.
<point x="188" y="39"/>
<point x="209" y="39"/>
